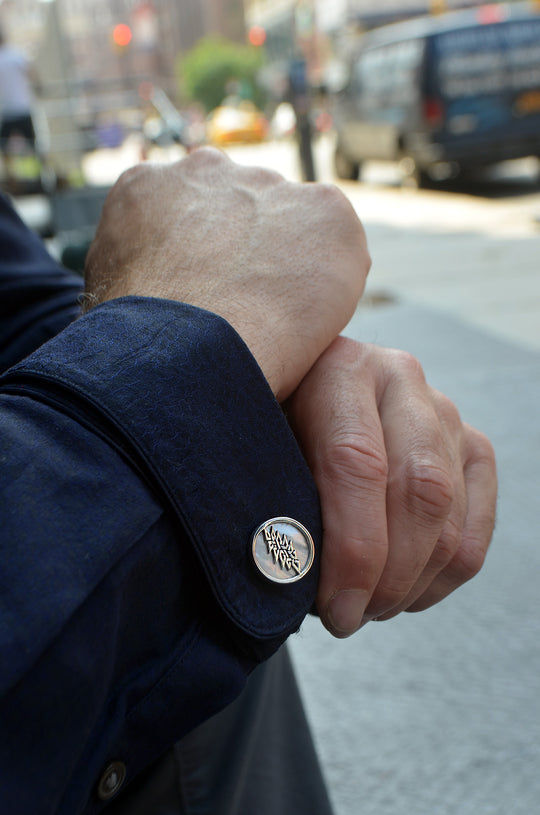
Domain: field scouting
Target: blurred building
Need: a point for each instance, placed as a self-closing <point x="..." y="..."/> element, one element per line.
<point x="281" y="18"/>
<point x="96" y="59"/>
<point x="152" y="33"/>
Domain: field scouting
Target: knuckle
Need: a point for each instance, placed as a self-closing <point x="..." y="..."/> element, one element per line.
<point x="483" y="452"/>
<point x="357" y="458"/>
<point x="427" y="489"/>
<point x="469" y="560"/>
<point x="334" y="202"/>
<point x="480" y="530"/>
<point x="264" y="176"/>
<point x="447" y="546"/>
<point x="329" y="193"/>
<point x="405" y="366"/>
<point x="130" y="176"/>
<point x="363" y="557"/>
<point x="389" y="595"/>
<point x="368" y="262"/>
<point x="205" y="156"/>
<point x="447" y="410"/>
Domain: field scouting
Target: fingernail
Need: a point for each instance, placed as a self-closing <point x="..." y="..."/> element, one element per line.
<point x="346" y="611"/>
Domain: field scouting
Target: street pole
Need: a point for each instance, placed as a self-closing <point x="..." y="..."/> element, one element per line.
<point x="302" y="106"/>
<point x="305" y="33"/>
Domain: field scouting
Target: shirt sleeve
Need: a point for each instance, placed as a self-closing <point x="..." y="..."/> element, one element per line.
<point x="141" y="448"/>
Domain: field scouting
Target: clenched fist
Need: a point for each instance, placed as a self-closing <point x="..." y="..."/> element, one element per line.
<point x="284" y="263"/>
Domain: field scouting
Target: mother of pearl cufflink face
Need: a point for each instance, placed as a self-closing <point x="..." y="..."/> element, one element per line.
<point x="283" y="550"/>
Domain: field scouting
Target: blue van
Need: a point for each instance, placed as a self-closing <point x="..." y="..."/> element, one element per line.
<point x="443" y="95"/>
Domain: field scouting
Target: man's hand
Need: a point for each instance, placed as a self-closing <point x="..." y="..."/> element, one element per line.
<point x="284" y="263"/>
<point x="408" y="492"/>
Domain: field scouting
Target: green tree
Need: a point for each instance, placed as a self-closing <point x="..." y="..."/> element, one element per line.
<point x="208" y="70"/>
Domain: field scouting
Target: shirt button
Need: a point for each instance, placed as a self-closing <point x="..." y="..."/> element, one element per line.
<point x="111" y="780"/>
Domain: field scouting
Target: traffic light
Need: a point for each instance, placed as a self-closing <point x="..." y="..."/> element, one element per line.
<point x="257" y="35"/>
<point x="121" y="36"/>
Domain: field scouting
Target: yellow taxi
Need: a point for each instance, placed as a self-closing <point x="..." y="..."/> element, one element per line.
<point x="236" y="122"/>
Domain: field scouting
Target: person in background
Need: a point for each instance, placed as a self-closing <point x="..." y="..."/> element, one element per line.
<point x="16" y="102"/>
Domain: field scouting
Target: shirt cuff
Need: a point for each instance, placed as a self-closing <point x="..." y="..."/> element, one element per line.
<point x="177" y="389"/>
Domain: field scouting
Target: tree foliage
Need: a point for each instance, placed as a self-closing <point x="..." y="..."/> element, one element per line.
<point x="207" y="72"/>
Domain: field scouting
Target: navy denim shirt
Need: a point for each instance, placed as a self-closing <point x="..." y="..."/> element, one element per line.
<point x="140" y="448"/>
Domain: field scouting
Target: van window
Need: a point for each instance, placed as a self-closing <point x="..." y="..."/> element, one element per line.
<point x="389" y="69"/>
<point x="488" y="59"/>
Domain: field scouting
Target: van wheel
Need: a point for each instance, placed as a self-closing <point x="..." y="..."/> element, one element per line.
<point x="413" y="176"/>
<point x="345" y="168"/>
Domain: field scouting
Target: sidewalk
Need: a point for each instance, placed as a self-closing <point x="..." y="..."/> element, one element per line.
<point x="439" y="713"/>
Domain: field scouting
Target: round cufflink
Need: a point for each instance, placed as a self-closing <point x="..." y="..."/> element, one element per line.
<point x="283" y="550"/>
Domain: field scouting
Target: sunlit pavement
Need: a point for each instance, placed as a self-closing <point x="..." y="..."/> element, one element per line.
<point x="439" y="713"/>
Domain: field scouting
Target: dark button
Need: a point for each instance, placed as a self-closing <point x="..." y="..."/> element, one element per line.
<point x="283" y="550"/>
<point x="111" y="781"/>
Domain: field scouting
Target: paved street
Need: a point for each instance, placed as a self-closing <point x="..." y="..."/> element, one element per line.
<point x="439" y="713"/>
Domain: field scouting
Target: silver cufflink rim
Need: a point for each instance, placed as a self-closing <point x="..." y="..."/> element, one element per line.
<point x="283" y="550"/>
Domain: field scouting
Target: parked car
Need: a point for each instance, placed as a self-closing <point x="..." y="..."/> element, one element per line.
<point x="236" y="121"/>
<point x="444" y="95"/>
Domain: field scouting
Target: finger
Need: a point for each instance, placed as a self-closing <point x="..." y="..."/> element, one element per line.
<point x="352" y="487"/>
<point x="445" y="549"/>
<point x="338" y="426"/>
<point x="451" y="536"/>
<point x="481" y="486"/>
<point x="420" y="484"/>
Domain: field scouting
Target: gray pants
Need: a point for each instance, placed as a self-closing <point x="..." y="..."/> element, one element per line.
<point x="254" y="758"/>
